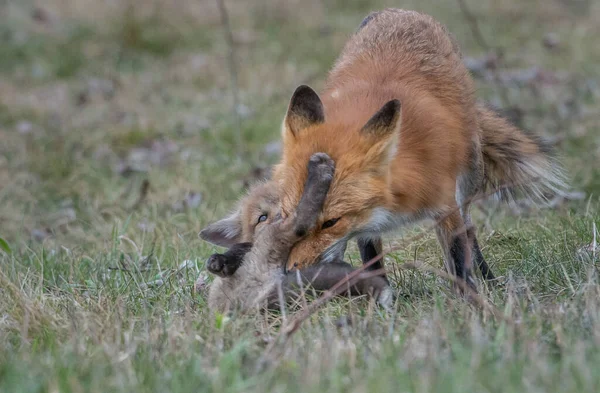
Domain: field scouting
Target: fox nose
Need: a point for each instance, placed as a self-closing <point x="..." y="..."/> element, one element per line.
<point x="288" y="267"/>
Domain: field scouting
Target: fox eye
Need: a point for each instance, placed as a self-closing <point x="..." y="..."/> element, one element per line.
<point x="262" y="218"/>
<point x="330" y="223"/>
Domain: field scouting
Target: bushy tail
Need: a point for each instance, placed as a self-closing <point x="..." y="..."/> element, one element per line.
<point x="515" y="159"/>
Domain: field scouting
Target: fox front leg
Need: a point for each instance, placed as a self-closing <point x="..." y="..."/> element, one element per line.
<point x="320" y="174"/>
<point x="289" y="231"/>
<point x="324" y="277"/>
<point x="225" y="265"/>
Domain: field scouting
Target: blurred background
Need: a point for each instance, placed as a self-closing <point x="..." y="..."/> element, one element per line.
<point x="154" y="115"/>
<point x="128" y="125"/>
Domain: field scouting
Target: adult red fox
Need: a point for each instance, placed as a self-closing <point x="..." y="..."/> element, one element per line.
<point x="398" y="116"/>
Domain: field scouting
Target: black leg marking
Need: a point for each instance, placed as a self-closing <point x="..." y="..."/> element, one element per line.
<point x="458" y="254"/>
<point x="225" y="265"/>
<point x="485" y="270"/>
<point x="370" y="249"/>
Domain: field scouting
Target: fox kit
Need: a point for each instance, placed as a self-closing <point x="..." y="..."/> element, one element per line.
<point x="399" y="117"/>
<point x="251" y="274"/>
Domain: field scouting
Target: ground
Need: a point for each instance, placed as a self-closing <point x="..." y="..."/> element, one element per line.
<point x="119" y="142"/>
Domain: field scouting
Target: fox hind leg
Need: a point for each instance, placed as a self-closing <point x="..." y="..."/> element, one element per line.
<point x="452" y="235"/>
<point x="469" y="185"/>
<point x="476" y="253"/>
<point x="484" y="268"/>
<point x="324" y="277"/>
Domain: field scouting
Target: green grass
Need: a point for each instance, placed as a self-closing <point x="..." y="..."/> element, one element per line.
<point x="95" y="291"/>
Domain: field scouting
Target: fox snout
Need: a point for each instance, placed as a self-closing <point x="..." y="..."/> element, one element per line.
<point x="307" y="253"/>
<point x="334" y="252"/>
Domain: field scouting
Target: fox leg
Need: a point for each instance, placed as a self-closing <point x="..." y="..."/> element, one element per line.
<point x="476" y="254"/>
<point x="323" y="277"/>
<point x="274" y="244"/>
<point x="469" y="185"/>
<point x="370" y="248"/>
<point x="452" y="235"/>
<point x="225" y="265"/>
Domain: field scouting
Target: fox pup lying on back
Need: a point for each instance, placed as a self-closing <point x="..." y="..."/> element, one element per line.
<point x="251" y="274"/>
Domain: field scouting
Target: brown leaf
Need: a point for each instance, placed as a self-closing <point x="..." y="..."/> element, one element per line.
<point x="40" y="15"/>
<point x="551" y="41"/>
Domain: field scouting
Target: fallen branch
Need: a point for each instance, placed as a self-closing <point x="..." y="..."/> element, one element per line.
<point x="144" y="188"/>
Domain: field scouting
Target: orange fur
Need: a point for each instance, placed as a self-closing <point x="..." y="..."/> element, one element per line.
<point x="399" y="55"/>
<point x="411" y="168"/>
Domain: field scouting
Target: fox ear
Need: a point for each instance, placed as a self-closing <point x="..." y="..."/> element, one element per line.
<point x="384" y="129"/>
<point x="305" y="109"/>
<point x="385" y="122"/>
<point x="225" y="232"/>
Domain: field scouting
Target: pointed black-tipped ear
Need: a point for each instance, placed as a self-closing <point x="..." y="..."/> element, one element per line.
<point x="225" y="232"/>
<point x="305" y="109"/>
<point x="385" y="121"/>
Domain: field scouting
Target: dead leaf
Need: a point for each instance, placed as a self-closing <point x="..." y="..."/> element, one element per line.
<point x="551" y="41"/>
<point x="40" y="15"/>
<point x="201" y="283"/>
<point x="191" y="201"/>
<point x="39" y="235"/>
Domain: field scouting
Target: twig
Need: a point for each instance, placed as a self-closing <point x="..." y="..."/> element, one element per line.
<point x="144" y="188"/>
<point x="476" y="31"/>
<point x="233" y="74"/>
<point x="473" y="25"/>
<point x="338" y="288"/>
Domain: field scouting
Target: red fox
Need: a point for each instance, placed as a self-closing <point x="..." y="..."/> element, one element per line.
<point x="398" y="116"/>
<point x="251" y="273"/>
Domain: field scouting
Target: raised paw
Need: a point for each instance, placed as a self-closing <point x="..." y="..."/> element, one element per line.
<point x="320" y="174"/>
<point x="321" y="167"/>
<point x="216" y="264"/>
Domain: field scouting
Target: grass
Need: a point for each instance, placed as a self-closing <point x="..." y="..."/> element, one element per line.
<point x="97" y="275"/>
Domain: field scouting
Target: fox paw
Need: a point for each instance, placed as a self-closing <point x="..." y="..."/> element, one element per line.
<point x="386" y="298"/>
<point x="217" y="265"/>
<point x="321" y="165"/>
